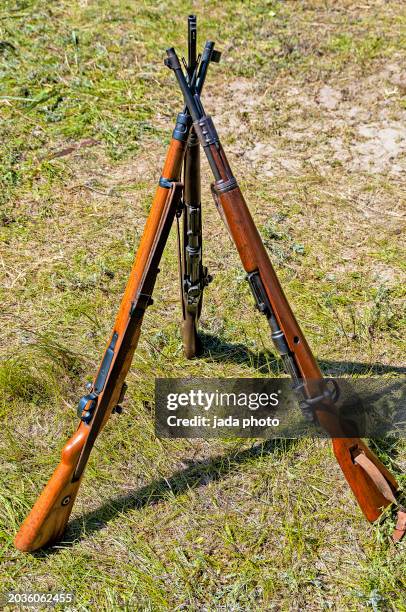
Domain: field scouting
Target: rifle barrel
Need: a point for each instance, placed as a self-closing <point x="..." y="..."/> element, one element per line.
<point x="186" y="90"/>
<point x="192" y="45"/>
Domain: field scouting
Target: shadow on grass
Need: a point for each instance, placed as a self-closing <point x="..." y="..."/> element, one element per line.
<point x="198" y="474"/>
<point x="266" y="362"/>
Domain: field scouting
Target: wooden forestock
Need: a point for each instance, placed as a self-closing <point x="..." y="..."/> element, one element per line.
<point x="49" y="515"/>
<point x="254" y="257"/>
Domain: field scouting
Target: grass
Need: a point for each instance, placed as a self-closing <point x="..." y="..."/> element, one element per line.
<point x="196" y="525"/>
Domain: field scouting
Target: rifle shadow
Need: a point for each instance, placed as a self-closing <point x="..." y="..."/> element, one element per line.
<point x="266" y="362"/>
<point x="197" y="474"/>
<point x="200" y="473"/>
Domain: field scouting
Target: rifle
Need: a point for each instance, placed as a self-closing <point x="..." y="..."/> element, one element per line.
<point x="372" y="484"/>
<point x="194" y="277"/>
<point x="50" y="513"/>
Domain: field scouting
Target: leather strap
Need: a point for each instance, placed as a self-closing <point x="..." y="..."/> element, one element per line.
<point x="383" y="486"/>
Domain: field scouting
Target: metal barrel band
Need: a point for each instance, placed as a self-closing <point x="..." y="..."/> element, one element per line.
<point x="223" y="186"/>
<point x="165" y="182"/>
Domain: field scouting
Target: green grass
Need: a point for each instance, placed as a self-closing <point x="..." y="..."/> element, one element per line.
<point x="178" y="524"/>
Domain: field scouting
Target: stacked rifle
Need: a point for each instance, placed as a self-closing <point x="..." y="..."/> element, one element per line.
<point x="178" y="196"/>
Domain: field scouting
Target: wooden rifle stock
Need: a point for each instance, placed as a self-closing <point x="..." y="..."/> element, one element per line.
<point x="48" y="517"/>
